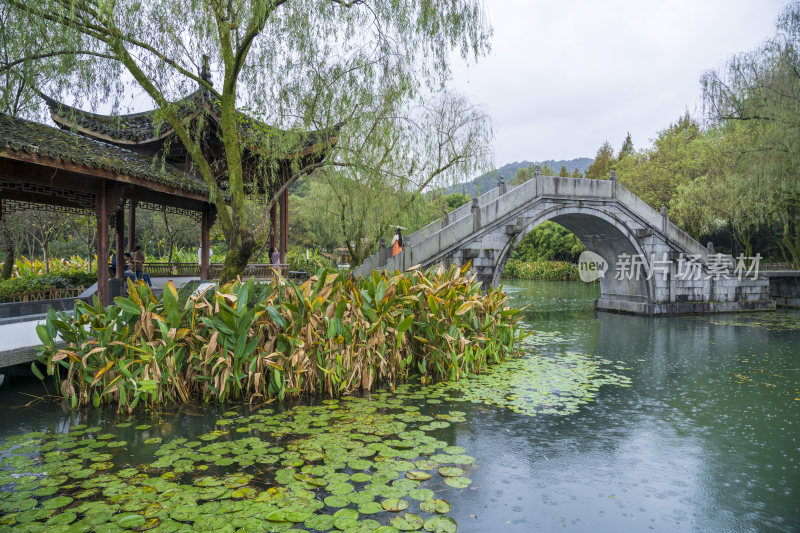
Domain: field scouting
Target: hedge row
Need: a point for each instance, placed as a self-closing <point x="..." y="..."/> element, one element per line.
<point x="11" y="288"/>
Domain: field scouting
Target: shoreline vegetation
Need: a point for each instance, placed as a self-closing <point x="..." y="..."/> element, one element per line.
<point x="330" y="335"/>
<point x="541" y="270"/>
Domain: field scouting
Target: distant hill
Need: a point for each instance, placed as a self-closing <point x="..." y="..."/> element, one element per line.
<point x="487" y="181"/>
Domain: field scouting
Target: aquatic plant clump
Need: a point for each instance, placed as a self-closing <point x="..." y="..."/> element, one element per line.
<point x="359" y="464"/>
<point x="553" y="383"/>
<point x="247" y="341"/>
<point x="769" y="321"/>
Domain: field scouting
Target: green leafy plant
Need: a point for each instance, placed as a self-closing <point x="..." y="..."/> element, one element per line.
<point x="541" y="270"/>
<point x="245" y="341"/>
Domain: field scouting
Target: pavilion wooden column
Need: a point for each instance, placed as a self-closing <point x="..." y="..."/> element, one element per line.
<point x="131" y="225"/>
<point x="284" y="246"/>
<point x="101" y="211"/>
<point x="119" y="222"/>
<point x="273" y="220"/>
<point x="205" y="245"/>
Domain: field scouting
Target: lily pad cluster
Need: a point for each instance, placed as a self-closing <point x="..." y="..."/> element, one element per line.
<point x="770" y="321"/>
<point x="356" y="464"/>
<point x="552" y="384"/>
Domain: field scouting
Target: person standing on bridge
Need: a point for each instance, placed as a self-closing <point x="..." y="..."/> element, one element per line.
<point x="397" y="243"/>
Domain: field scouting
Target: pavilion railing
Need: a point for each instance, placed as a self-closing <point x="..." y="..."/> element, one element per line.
<point x="253" y="270"/>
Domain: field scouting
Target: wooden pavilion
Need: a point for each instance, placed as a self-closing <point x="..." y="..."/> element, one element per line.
<point x="108" y="164"/>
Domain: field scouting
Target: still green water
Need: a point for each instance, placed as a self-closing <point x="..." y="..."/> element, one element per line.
<point x="672" y="424"/>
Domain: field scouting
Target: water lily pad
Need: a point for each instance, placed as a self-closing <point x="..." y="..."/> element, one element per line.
<point x="457" y="482"/>
<point x="421" y="494"/>
<point x="450" y="471"/>
<point x="370" y="508"/>
<point x="440" y="524"/>
<point x="319" y="522"/>
<point x="152" y="440"/>
<point x="130" y="520"/>
<point x="336" y="501"/>
<point x="394" y="505"/>
<point x="243" y="493"/>
<point x="62" y="519"/>
<point x="435" y="506"/>
<point x="418" y="475"/>
<point x="426" y="464"/>
<point x="57" y="502"/>
<point x="407" y="522"/>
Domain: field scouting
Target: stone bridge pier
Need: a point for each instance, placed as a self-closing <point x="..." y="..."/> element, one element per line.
<point x="653" y="267"/>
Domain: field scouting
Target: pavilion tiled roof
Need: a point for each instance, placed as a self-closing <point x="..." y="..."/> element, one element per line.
<point x="148" y="126"/>
<point x="23" y="136"/>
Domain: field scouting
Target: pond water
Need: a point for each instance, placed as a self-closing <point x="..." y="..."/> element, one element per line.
<point x="611" y="423"/>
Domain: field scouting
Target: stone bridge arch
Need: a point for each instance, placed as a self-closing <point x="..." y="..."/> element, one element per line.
<point x="601" y="233"/>
<point x="610" y="220"/>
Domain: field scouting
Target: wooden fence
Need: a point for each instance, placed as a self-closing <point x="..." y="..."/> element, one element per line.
<point x="46" y="294"/>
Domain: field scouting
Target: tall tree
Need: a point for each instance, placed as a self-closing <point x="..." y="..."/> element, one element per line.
<point x="626" y="149"/>
<point x="603" y="161"/>
<point x="435" y="145"/>
<point x="300" y="64"/>
<point x="760" y="90"/>
<point x="676" y="158"/>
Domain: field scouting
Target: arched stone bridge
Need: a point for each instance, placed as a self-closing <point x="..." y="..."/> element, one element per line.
<point x="610" y="221"/>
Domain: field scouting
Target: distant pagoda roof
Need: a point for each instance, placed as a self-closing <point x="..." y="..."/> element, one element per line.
<point x="147" y="127"/>
<point x="19" y="137"/>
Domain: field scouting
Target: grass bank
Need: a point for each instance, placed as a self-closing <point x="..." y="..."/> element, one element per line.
<point x="250" y="342"/>
<point x="541" y="270"/>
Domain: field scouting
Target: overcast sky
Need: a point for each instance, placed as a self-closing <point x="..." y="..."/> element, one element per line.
<point x="565" y="76"/>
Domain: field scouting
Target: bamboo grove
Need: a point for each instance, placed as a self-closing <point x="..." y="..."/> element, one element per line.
<point x="257" y="341"/>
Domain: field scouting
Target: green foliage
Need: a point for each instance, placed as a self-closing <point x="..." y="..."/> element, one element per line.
<point x="455" y="200"/>
<point x="678" y="156"/>
<point x="603" y="162"/>
<point x="547" y="242"/>
<point x="353" y="67"/>
<point x="626" y="149"/>
<point x="758" y="93"/>
<point x="331" y="335"/>
<point x="11" y="288"/>
<point x="307" y="260"/>
<point x="25" y="267"/>
<point x="541" y="270"/>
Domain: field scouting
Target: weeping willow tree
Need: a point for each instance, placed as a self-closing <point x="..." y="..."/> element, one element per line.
<point x="297" y="64"/>
<point x="759" y="91"/>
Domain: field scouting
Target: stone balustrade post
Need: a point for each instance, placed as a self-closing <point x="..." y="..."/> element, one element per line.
<point x="476" y="215"/>
<point x="613" y="183"/>
<point x="501" y="184"/>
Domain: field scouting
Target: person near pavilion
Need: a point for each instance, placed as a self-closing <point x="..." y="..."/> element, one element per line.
<point x="138" y="265"/>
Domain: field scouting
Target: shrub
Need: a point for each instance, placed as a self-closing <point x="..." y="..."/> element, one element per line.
<point x="331" y="335"/>
<point x="298" y="262"/>
<point x="24" y="267"/>
<point x="541" y="270"/>
<point x="13" y="288"/>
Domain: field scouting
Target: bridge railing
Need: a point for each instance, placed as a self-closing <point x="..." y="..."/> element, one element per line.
<point x="436" y="238"/>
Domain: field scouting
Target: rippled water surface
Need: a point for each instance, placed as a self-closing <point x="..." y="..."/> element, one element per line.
<point x="698" y="431"/>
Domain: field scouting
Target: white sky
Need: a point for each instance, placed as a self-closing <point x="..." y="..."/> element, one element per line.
<point x="565" y="76"/>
